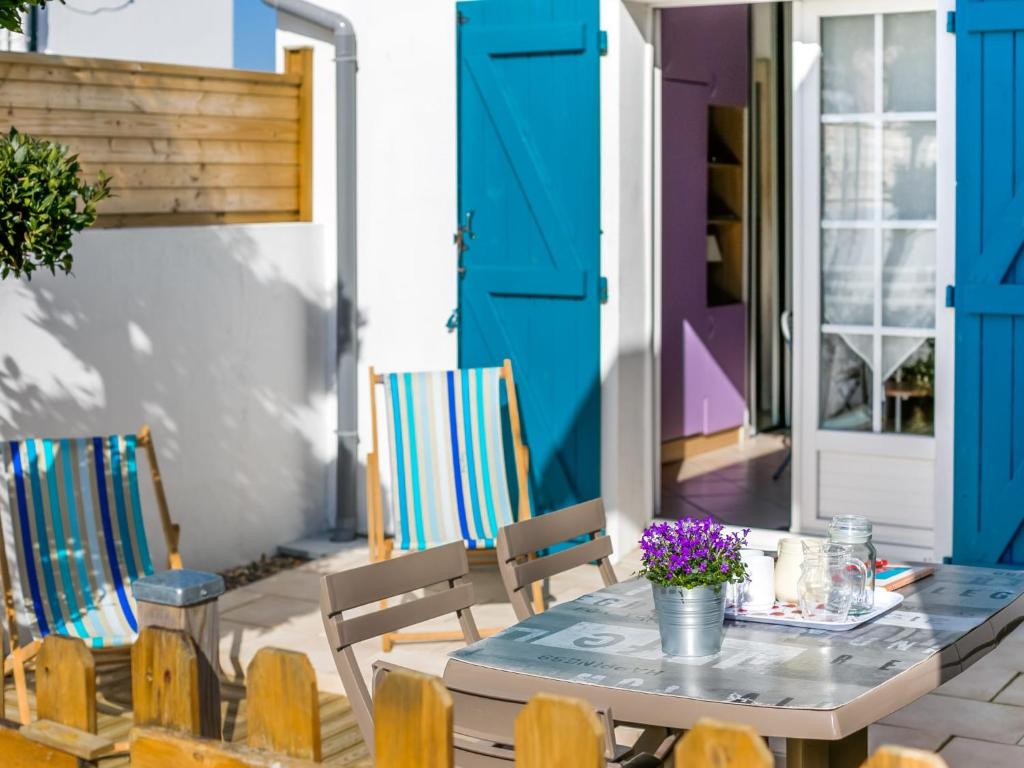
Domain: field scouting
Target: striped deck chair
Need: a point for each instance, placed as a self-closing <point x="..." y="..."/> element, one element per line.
<point x="74" y="541"/>
<point x="448" y="471"/>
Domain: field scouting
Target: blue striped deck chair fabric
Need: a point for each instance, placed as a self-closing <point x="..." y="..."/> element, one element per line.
<point x="74" y="537"/>
<point x="448" y="470"/>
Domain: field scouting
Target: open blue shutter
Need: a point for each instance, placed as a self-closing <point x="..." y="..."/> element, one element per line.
<point x="529" y="198"/>
<point x="989" y="295"/>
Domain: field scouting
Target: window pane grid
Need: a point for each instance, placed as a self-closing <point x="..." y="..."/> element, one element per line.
<point x="879" y="330"/>
<point x="886" y="224"/>
<point x="873" y="117"/>
<point x="876" y="171"/>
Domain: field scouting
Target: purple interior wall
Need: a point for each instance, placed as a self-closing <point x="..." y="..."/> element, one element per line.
<point x="703" y="365"/>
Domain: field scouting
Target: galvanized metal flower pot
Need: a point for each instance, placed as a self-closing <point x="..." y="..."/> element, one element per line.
<point x="691" y="621"/>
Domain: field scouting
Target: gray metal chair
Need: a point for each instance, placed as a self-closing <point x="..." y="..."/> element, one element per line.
<point x="484" y="725"/>
<point x="519" y="543"/>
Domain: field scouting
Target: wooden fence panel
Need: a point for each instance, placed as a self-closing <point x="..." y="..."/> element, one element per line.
<point x="903" y="757"/>
<point x="20" y="752"/>
<point x="412" y="716"/>
<point x="723" y="745"/>
<point x="556" y="730"/>
<point x="66" y="683"/>
<point x="156" y="748"/>
<point x="183" y="145"/>
<point x="167" y="688"/>
<point x="283" y="704"/>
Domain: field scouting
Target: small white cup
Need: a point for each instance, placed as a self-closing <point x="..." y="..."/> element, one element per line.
<point x="759" y="589"/>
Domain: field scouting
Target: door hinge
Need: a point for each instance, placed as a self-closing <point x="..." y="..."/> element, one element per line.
<point x="602" y="42"/>
<point x="951" y="22"/>
<point x="453" y="320"/>
<point x="602" y="289"/>
<point x="950" y="296"/>
<point x="461" y="18"/>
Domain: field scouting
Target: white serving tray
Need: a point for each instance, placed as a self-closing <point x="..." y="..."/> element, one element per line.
<point x="789" y="614"/>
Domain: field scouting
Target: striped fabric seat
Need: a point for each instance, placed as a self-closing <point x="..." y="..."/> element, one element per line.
<point x="448" y="475"/>
<point x="75" y="536"/>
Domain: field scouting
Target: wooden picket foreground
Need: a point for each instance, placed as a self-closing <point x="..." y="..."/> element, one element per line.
<point x="413" y="717"/>
<point x="723" y="745"/>
<point x="275" y="676"/>
<point x="900" y="757"/>
<point x="184" y="145"/>
<point x="173" y="723"/>
<point x="554" y="730"/>
<point x="413" y="720"/>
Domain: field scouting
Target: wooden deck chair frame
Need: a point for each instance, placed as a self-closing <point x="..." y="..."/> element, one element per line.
<point x="519" y="543"/>
<point x="381" y="547"/>
<point x="20" y="655"/>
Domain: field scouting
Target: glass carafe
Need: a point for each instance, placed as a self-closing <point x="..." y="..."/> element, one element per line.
<point x="830" y="579"/>
<point x="855" y="531"/>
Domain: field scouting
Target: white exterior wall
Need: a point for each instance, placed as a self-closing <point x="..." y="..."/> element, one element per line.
<point x="195" y="32"/>
<point x="627" y="260"/>
<point x="219" y="338"/>
<point x="407" y="182"/>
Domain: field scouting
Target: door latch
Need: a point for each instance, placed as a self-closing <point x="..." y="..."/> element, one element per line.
<point x="453" y="320"/>
<point x="463" y="233"/>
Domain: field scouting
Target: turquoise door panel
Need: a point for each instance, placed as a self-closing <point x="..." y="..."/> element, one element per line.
<point x="989" y="295"/>
<point x="529" y="205"/>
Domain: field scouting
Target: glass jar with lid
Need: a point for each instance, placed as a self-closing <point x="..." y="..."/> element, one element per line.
<point x="855" y="531"/>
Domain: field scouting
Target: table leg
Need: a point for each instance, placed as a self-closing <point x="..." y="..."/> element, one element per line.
<point x="806" y="753"/>
<point x="850" y="752"/>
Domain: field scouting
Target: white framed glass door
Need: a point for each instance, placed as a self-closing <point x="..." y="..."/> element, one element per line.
<point x="866" y="215"/>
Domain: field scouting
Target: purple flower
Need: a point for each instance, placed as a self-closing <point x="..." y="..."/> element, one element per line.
<point x="691" y="552"/>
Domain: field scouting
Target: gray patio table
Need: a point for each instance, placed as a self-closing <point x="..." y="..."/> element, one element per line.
<point x="819" y="690"/>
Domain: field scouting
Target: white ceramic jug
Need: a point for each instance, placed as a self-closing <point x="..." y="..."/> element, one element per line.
<point x="787" y="568"/>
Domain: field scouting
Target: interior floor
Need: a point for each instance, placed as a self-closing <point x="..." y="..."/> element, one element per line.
<point x="734" y="485"/>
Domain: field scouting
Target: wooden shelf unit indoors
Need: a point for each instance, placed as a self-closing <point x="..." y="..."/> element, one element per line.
<point x="726" y="204"/>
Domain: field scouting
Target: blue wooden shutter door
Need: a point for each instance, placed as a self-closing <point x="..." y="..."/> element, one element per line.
<point x="529" y="162"/>
<point x="989" y="294"/>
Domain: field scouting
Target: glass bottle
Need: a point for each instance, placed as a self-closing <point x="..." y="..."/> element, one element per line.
<point x="854" y="531"/>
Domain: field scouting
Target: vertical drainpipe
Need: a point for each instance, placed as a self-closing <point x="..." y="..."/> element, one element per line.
<point x="347" y="327"/>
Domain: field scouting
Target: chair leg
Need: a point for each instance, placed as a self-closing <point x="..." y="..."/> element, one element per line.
<point x="538" y="597"/>
<point x="386" y="641"/>
<point x="16" y="664"/>
<point x="394" y="638"/>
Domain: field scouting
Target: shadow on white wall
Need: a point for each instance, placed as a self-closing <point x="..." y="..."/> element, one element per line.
<point x="222" y="339"/>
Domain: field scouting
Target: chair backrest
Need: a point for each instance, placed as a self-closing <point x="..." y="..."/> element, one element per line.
<point x="446" y="566"/>
<point x="75" y="537"/>
<point x="518" y="545"/>
<point x="448" y="462"/>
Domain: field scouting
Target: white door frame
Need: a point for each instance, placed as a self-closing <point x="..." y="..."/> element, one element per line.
<point x="807" y="438"/>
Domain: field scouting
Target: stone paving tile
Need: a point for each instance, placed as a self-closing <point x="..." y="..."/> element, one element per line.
<point x="880" y="735"/>
<point x="236" y="597"/>
<point x="304" y="585"/>
<point x="985" y="678"/>
<point x="962" y="717"/>
<point x="1013" y="693"/>
<point x="270" y="611"/>
<point x="972" y="753"/>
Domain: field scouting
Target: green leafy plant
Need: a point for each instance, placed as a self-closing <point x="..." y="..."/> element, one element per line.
<point x="11" y="12"/>
<point x="43" y="202"/>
